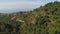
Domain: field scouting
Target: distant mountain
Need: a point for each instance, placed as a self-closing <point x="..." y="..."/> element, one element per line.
<point x="42" y="20"/>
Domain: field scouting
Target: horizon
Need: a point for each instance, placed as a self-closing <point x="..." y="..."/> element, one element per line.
<point x="9" y="6"/>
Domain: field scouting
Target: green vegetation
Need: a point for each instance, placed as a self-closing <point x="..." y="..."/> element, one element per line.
<point x="42" y="20"/>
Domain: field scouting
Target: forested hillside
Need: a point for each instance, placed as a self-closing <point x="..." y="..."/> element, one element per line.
<point x="42" y="20"/>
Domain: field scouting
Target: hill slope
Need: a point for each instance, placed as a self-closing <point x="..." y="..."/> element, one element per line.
<point x="43" y="20"/>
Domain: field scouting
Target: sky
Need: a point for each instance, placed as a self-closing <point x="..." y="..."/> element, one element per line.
<point x="9" y="6"/>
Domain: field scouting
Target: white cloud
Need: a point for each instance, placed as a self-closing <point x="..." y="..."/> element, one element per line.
<point x="18" y="5"/>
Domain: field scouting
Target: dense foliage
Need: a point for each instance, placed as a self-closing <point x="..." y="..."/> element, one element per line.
<point x="43" y="20"/>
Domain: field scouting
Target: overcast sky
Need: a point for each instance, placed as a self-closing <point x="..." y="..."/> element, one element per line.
<point x="7" y="6"/>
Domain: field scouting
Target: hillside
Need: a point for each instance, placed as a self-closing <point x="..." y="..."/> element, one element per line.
<point x="42" y="20"/>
